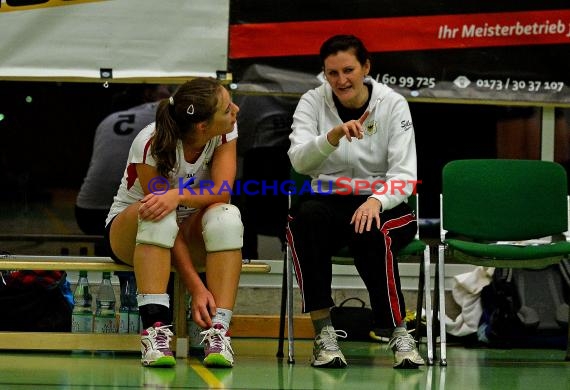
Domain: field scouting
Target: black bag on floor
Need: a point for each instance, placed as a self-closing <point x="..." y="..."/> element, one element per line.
<point x="356" y="321"/>
<point x="500" y="301"/>
<point x="526" y="307"/>
<point x="33" y="301"/>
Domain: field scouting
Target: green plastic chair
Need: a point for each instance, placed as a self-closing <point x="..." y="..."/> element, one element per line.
<point x="415" y="248"/>
<point x="489" y="206"/>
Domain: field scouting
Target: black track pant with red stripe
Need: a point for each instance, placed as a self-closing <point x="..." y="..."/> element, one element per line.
<point x="320" y="226"/>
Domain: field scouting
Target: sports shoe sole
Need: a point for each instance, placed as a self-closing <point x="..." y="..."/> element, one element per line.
<point x="217" y="360"/>
<point x="407" y="364"/>
<point x="334" y="363"/>
<point x="165" y="361"/>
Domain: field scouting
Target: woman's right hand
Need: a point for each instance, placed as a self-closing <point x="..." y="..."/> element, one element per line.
<point x="350" y="129"/>
<point x="156" y="206"/>
<point x="159" y="199"/>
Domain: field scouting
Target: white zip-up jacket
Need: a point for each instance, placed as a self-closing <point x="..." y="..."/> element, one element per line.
<point x="382" y="164"/>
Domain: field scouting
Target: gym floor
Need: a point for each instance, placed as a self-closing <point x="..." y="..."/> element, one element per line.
<point x="257" y="367"/>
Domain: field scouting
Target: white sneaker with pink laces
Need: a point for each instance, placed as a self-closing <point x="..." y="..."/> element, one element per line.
<point x="155" y="346"/>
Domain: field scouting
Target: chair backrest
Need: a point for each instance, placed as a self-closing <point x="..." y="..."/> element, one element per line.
<point x="500" y="199"/>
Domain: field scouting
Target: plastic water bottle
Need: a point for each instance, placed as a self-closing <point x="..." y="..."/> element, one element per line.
<point x="124" y="308"/>
<point x="104" y="319"/>
<point x="134" y="317"/>
<point x="194" y="330"/>
<point x="82" y="315"/>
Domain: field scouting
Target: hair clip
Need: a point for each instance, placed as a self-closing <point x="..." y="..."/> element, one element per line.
<point x="190" y="110"/>
<point x="171" y="100"/>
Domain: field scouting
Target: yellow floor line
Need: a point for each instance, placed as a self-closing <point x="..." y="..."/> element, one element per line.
<point x="206" y="375"/>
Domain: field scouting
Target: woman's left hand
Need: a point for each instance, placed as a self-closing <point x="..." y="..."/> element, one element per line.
<point x="203" y="308"/>
<point x="363" y="217"/>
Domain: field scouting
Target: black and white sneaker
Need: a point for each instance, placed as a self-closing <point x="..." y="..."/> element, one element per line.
<point x="326" y="352"/>
<point x="405" y="352"/>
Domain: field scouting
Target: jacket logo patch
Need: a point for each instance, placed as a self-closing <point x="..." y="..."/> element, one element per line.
<point x="406" y="125"/>
<point x="370" y="128"/>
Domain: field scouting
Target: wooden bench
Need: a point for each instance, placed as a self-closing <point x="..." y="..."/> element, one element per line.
<point x="40" y="237"/>
<point x="96" y="341"/>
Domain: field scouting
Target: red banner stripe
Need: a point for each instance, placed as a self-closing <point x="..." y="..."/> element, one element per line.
<point x="404" y="33"/>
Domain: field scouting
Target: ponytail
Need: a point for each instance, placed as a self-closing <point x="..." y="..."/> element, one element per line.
<point x="194" y="102"/>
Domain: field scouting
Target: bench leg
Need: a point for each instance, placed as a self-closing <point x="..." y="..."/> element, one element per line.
<point x="180" y="323"/>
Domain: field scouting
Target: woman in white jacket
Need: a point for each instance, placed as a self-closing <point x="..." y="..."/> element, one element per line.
<point x="355" y="138"/>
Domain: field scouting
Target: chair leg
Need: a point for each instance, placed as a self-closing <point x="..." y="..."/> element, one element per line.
<point x="427" y="293"/>
<point x="290" y="319"/>
<point x="568" y="340"/>
<point x="435" y="312"/>
<point x="283" y="310"/>
<point x="565" y="269"/>
<point x="419" y="304"/>
<point x="441" y="294"/>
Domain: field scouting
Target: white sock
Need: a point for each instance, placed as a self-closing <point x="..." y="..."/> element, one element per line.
<point x="157" y="299"/>
<point x="223" y="317"/>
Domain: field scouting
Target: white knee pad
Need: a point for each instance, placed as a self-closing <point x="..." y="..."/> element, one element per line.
<point x="160" y="233"/>
<point x="222" y="228"/>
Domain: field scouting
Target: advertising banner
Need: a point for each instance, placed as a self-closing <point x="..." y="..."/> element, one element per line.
<point x="446" y="50"/>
